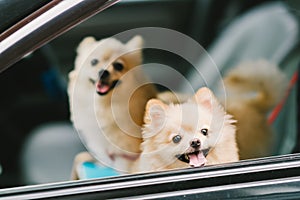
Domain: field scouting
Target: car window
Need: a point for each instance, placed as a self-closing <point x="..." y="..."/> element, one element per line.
<point x="187" y="44"/>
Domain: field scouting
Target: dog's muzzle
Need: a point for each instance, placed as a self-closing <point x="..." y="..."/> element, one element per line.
<point x="194" y="155"/>
<point x="104" y="85"/>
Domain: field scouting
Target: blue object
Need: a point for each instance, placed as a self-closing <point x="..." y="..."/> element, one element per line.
<point x="88" y="170"/>
<point x="53" y="84"/>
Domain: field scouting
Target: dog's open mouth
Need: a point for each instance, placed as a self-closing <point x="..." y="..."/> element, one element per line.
<point x="103" y="87"/>
<point x="194" y="159"/>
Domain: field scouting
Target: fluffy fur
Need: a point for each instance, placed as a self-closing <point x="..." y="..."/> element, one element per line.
<point x="253" y="89"/>
<point x="108" y="94"/>
<point x="180" y="135"/>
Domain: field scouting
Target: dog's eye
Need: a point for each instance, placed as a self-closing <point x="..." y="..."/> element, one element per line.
<point x="176" y="139"/>
<point x="204" y="131"/>
<point x="118" y="66"/>
<point x="94" y="62"/>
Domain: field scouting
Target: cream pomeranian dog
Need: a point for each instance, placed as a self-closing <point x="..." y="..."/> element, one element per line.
<point x="252" y="89"/>
<point x="192" y="134"/>
<point x="107" y="95"/>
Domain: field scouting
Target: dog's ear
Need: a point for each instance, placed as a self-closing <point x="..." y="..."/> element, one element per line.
<point x="85" y="44"/>
<point x="83" y="50"/>
<point x="134" y="48"/>
<point x="155" y="113"/>
<point x="205" y="97"/>
<point x="135" y="43"/>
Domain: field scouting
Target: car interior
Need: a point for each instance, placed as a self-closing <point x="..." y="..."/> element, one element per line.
<point x="39" y="142"/>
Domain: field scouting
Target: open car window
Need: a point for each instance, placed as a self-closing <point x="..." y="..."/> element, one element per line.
<point x="36" y="57"/>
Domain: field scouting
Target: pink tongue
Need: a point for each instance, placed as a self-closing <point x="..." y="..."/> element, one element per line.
<point x="102" y="88"/>
<point x="197" y="160"/>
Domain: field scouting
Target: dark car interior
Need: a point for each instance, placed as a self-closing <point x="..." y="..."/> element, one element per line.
<point x="38" y="142"/>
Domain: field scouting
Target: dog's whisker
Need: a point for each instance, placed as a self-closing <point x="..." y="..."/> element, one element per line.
<point x="92" y="80"/>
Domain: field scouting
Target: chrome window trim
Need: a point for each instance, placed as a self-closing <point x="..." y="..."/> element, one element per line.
<point x="292" y="185"/>
<point x="48" y="26"/>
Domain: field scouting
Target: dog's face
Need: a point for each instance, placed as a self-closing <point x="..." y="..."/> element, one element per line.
<point x="184" y="132"/>
<point x="101" y="64"/>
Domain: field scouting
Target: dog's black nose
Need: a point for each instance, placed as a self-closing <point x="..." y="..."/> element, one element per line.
<point x="103" y="74"/>
<point x="195" y="143"/>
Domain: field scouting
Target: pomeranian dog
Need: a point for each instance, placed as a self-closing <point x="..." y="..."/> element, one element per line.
<point x="252" y="90"/>
<point x="108" y="94"/>
<point x="193" y="134"/>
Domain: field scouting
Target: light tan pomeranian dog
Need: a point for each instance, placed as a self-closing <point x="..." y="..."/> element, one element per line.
<point x="252" y="89"/>
<point x="108" y="94"/>
<point x="192" y="134"/>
